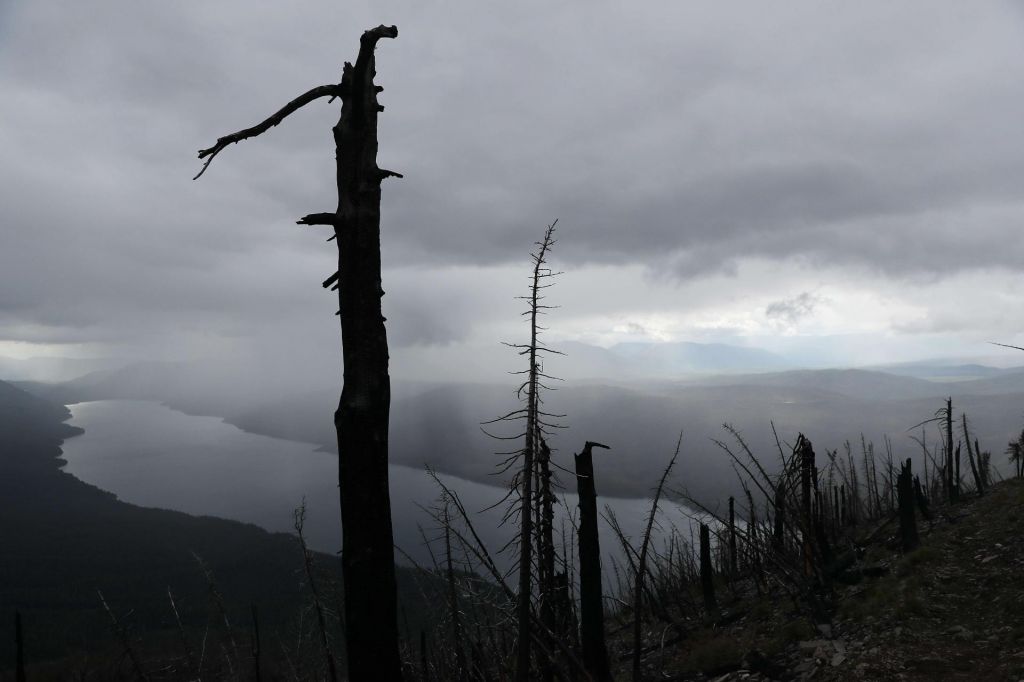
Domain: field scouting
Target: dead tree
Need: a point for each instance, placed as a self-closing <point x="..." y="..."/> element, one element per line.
<point x="530" y="489"/>
<point x="905" y="495"/>
<point x="361" y="420"/>
<point x="641" y="562"/>
<point x="974" y="457"/>
<point x="952" y="471"/>
<point x="733" y="564"/>
<point x="545" y="515"/>
<point x="595" y="652"/>
<point x="707" y="575"/>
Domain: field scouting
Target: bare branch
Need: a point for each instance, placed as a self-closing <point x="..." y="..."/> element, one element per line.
<point x="290" y="108"/>
<point x="319" y="219"/>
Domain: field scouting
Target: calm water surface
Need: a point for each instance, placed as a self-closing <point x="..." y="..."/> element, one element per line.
<point x="150" y="455"/>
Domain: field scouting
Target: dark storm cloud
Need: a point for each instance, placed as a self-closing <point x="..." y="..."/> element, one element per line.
<point x="683" y="137"/>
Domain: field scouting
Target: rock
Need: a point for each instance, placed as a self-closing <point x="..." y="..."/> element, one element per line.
<point x="837" y="660"/>
<point x="804" y="666"/>
<point x="825" y="629"/>
<point x="812" y="644"/>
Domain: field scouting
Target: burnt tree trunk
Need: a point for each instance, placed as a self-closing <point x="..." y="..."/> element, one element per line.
<point x="905" y="494"/>
<point x="595" y="652"/>
<point x="733" y="564"/>
<point x="545" y="554"/>
<point x="707" y="576"/>
<point x="922" y="501"/>
<point x="361" y="420"/>
<point x="952" y="486"/>
<point x="974" y="457"/>
<point x="368" y="559"/>
<point x="778" y="534"/>
<point x="807" y="522"/>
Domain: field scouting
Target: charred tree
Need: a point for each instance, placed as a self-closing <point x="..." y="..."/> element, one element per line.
<point x="530" y="489"/>
<point x="952" y="482"/>
<point x="707" y="575"/>
<point x="733" y="564"/>
<point x="595" y="652"/>
<point x="361" y="420"/>
<point x="546" y="551"/>
<point x="905" y="495"/>
<point x="779" y="531"/>
<point x="974" y="457"/>
<point x="921" y="499"/>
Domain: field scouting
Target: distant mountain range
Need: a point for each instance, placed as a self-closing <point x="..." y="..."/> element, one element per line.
<point x="51" y="368"/>
<point x="440" y="424"/>
<point x="647" y="360"/>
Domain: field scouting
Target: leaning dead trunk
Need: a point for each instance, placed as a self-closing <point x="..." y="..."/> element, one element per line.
<point x="595" y="653"/>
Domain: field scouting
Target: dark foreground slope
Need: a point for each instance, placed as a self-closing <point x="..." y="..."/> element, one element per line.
<point x="953" y="609"/>
<point x="61" y="540"/>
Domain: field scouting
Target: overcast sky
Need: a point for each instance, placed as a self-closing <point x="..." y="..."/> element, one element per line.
<point x="792" y="175"/>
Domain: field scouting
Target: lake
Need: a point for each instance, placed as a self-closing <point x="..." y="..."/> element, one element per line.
<point x="150" y="455"/>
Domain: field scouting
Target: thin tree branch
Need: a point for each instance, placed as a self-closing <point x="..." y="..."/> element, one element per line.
<point x="290" y="108"/>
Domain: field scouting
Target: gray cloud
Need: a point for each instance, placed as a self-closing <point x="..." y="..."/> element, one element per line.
<point x="686" y="138"/>
<point x="792" y="310"/>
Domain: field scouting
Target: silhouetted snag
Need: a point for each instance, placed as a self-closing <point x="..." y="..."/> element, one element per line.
<point x="905" y="495"/>
<point x="707" y="576"/>
<point x="984" y="464"/>
<point x="19" y="643"/>
<point x="952" y="473"/>
<point x="641" y="563"/>
<point x="922" y="501"/>
<point x="531" y="501"/>
<point x="733" y="568"/>
<point x="778" y="534"/>
<point x="753" y="547"/>
<point x="595" y="652"/>
<point x="361" y="420"/>
<point x="806" y="453"/>
<point x="545" y="550"/>
<point x="974" y="457"/>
